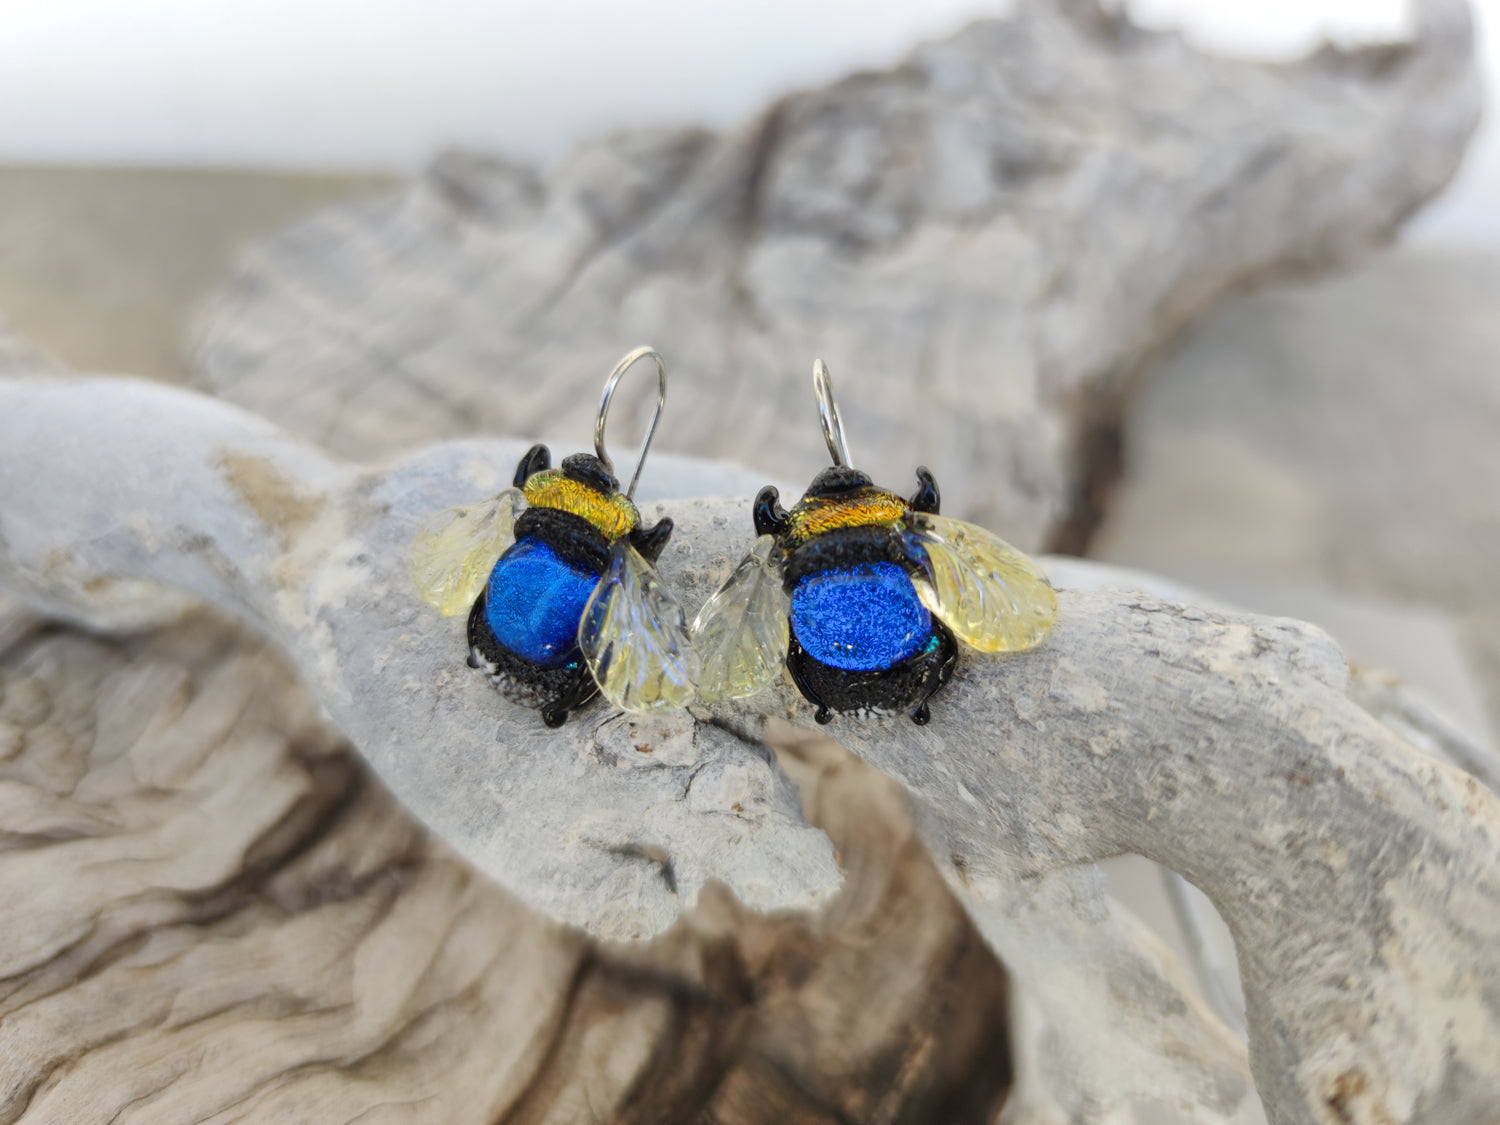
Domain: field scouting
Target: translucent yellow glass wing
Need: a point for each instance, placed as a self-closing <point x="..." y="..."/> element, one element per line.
<point x="741" y="632"/>
<point x="634" y="636"/>
<point x="993" y="597"/>
<point x="456" y="549"/>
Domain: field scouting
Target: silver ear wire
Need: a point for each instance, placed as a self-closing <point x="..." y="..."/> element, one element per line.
<point x="828" y="414"/>
<point x="623" y="366"/>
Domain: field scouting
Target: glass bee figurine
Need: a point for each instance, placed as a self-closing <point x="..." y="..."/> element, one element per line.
<point x="866" y="597"/>
<point x="558" y="575"/>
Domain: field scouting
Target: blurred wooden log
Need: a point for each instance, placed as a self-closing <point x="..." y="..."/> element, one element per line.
<point x="983" y="242"/>
<point x="212" y="912"/>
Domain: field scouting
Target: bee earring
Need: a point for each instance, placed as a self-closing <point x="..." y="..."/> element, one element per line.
<point x="865" y="595"/>
<point x="558" y="574"/>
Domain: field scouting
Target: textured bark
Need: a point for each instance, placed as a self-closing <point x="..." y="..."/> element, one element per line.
<point x="1358" y="876"/>
<point x="982" y="242"/>
<point x="213" y="913"/>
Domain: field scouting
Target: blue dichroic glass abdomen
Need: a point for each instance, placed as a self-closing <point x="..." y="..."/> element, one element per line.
<point x="534" y="602"/>
<point x="861" y="618"/>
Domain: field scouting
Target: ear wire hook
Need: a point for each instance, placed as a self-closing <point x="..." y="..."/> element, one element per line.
<point x="828" y="414"/>
<point x="609" y="389"/>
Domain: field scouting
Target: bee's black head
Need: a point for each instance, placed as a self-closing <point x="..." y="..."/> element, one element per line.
<point x="836" y="481"/>
<point x="587" y="469"/>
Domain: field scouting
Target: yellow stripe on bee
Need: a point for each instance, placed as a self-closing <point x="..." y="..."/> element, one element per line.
<point x="812" y="517"/>
<point x="613" y="514"/>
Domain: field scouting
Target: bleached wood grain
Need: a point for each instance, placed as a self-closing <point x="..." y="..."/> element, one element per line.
<point x="1358" y="875"/>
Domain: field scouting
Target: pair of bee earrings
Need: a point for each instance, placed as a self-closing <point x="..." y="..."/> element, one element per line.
<point x="864" y="597"/>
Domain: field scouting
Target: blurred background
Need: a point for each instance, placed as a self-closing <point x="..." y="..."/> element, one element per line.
<point x="1326" y="446"/>
<point x="247" y="116"/>
<point x="378" y="86"/>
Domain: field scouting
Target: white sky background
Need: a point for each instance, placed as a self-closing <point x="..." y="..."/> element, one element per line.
<point x="382" y="84"/>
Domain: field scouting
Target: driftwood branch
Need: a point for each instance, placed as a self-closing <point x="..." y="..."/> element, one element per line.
<point x="212" y="913"/>
<point x="983" y="243"/>
<point x="921" y="229"/>
<point x="1359" y="876"/>
<point x="316" y="555"/>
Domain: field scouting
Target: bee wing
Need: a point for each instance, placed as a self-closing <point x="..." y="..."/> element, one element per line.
<point x="993" y="597"/>
<point x="741" y="632"/>
<point x="456" y="549"/>
<point x="635" y="638"/>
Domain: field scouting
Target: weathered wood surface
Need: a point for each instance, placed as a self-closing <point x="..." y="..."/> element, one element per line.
<point x="1361" y="879"/>
<point x="213" y="913"/>
<point x="982" y="242"/>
